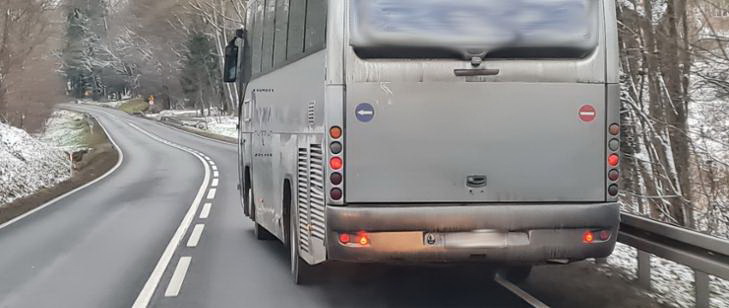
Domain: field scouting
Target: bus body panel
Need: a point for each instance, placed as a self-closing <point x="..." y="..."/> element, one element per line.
<point x="286" y="108"/>
<point x="426" y="139"/>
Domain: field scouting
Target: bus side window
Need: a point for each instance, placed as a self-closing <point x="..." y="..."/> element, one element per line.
<point x="268" y="36"/>
<point x="257" y="41"/>
<point x="316" y="25"/>
<point x="297" y="19"/>
<point x="281" y="33"/>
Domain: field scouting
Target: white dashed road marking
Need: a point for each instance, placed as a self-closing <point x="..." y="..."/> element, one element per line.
<point x="145" y="295"/>
<point x="215" y="183"/>
<point x="205" y="211"/>
<point x="215" y="168"/>
<point x="216" y="174"/>
<point x="195" y="236"/>
<point x="173" y="289"/>
<point x="211" y="193"/>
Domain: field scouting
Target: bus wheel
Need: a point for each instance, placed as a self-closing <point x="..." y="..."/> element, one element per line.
<point x="244" y="197"/>
<point x="301" y="272"/>
<point x="517" y="274"/>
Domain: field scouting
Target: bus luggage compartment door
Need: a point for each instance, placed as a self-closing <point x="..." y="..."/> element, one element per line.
<point x="475" y="142"/>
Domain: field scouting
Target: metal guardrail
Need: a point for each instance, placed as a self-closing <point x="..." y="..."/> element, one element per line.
<point x="705" y="254"/>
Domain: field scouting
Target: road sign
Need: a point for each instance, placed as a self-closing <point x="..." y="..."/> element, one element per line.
<point x="365" y="112"/>
<point x="587" y="113"/>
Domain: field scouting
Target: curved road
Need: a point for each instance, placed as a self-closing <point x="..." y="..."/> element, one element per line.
<point x="166" y="230"/>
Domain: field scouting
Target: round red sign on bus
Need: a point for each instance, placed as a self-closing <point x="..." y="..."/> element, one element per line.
<point x="587" y="113"/>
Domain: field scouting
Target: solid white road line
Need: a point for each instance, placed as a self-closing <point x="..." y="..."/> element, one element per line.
<point x="216" y="174"/>
<point x="145" y="295"/>
<point x="211" y="193"/>
<point x="118" y="164"/>
<point x="531" y="300"/>
<point x="215" y="183"/>
<point x="173" y="289"/>
<point x="205" y="211"/>
<point x="195" y="236"/>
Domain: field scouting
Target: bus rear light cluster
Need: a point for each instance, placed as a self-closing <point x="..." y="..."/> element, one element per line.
<point x="613" y="159"/>
<point x="361" y="239"/>
<point x="336" y="163"/>
<point x="591" y="237"/>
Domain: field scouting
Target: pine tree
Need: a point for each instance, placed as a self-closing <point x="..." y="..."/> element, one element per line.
<point x="200" y="73"/>
<point x="82" y="53"/>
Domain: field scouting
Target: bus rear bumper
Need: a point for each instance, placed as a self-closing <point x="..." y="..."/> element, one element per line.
<point x="507" y="234"/>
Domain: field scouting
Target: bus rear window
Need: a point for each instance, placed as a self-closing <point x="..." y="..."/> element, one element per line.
<point x="530" y="29"/>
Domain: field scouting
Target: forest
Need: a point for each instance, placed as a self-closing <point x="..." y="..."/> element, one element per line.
<point x="674" y="68"/>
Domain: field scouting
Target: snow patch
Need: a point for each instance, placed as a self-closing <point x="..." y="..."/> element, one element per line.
<point x="671" y="283"/>
<point x="28" y="164"/>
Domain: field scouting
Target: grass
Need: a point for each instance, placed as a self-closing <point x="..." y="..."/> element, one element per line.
<point x="134" y="106"/>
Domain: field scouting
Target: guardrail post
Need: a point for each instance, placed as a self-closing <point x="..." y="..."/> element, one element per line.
<point x="701" y="288"/>
<point x="644" y="269"/>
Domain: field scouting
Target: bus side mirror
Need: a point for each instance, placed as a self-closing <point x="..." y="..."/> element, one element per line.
<point x="231" y="62"/>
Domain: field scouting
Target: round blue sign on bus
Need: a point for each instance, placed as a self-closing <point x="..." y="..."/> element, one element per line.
<point x="364" y="112"/>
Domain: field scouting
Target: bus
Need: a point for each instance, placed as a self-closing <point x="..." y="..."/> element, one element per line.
<point x="430" y="131"/>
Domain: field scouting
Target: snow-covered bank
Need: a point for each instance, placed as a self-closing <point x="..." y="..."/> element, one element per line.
<point x="66" y="130"/>
<point x="672" y="283"/>
<point x="28" y="164"/>
<point x="223" y="125"/>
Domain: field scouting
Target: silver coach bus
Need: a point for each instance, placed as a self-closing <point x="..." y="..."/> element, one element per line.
<point x="430" y="130"/>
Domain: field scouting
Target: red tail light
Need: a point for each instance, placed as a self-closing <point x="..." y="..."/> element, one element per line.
<point x="336" y="163"/>
<point x="613" y="160"/>
<point x="588" y="237"/>
<point x="344" y="238"/>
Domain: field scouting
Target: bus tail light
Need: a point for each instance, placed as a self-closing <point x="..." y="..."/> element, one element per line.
<point x="335" y="132"/>
<point x="613" y="160"/>
<point x="604" y="235"/>
<point x="588" y="237"/>
<point x="336" y="163"/>
<point x="344" y="238"/>
<point x="336" y="194"/>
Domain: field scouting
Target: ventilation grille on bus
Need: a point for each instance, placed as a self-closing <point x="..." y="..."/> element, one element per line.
<point x="310" y="114"/>
<point x="311" y="195"/>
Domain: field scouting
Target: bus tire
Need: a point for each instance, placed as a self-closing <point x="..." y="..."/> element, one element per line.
<point x="301" y="272"/>
<point x="517" y="274"/>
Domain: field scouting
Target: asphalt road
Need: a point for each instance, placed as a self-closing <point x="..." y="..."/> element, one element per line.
<point x="126" y="240"/>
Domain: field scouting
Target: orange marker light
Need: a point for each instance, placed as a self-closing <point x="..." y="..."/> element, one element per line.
<point x="335" y="132"/>
<point x="363" y="240"/>
<point x="588" y="237"/>
<point x="336" y="163"/>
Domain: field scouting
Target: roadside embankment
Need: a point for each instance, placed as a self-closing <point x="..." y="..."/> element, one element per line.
<point x="37" y="169"/>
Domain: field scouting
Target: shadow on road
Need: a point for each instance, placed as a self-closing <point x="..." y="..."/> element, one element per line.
<point x="377" y="285"/>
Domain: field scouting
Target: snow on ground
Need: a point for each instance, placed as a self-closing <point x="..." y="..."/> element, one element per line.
<point x="671" y="283"/>
<point x="114" y="105"/>
<point x="223" y="125"/>
<point x="66" y="130"/>
<point x="27" y="164"/>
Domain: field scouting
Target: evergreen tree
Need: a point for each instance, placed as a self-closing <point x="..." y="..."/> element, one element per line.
<point x="200" y="72"/>
<point x="83" y="55"/>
